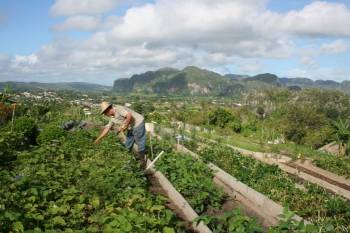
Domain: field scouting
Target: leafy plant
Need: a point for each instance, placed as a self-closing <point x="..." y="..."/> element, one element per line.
<point x="193" y="180"/>
<point x="231" y="222"/>
<point x="71" y="185"/>
<point x="50" y="133"/>
<point x="313" y="203"/>
<point x="288" y="224"/>
<point x="343" y="134"/>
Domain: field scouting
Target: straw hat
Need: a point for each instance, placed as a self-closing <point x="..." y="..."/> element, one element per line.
<point x="104" y="106"/>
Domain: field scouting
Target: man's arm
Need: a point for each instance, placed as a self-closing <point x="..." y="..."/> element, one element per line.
<point x="103" y="134"/>
<point x="127" y="122"/>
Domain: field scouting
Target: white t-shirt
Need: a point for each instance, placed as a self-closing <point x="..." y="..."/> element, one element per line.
<point x="120" y="116"/>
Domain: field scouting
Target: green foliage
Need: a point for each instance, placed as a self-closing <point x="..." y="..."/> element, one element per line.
<point x="231" y="222"/>
<point x="338" y="165"/>
<point x="50" y="133"/>
<point x="193" y="180"/>
<point x="342" y="130"/>
<point x="23" y="134"/>
<point x="343" y="135"/>
<point x="5" y="113"/>
<point x="27" y="127"/>
<point x="144" y="108"/>
<point x="222" y="118"/>
<point x="317" y="138"/>
<point x="10" y="142"/>
<point x="74" y="186"/>
<point x="249" y="127"/>
<point x="313" y="203"/>
<point x="303" y="124"/>
<point x="38" y="111"/>
<point x="288" y="224"/>
<point x="235" y="126"/>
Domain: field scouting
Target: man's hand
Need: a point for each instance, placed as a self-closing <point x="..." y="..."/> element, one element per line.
<point x="97" y="141"/>
<point x="102" y="135"/>
<point x="121" y="129"/>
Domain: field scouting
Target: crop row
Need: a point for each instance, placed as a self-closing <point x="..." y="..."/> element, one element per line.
<point x="194" y="180"/>
<point x="71" y="185"/>
<point x="309" y="201"/>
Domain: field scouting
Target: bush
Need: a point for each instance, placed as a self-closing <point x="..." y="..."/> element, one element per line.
<point x="318" y="138"/>
<point x="249" y="127"/>
<point x="302" y="124"/>
<point x="5" y="113"/>
<point x="50" y="133"/>
<point x="235" y="126"/>
<point x="23" y="134"/>
<point x="9" y="143"/>
<point x="220" y="117"/>
<point x="27" y="127"/>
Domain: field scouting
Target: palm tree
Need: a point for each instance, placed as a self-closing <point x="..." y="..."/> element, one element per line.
<point x="343" y="134"/>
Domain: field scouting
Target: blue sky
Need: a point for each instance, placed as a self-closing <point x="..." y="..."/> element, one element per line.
<point x="99" y="41"/>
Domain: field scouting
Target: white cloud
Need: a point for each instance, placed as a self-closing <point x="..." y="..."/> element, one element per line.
<point x="297" y="72"/>
<point x="26" y="60"/>
<point x="226" y="26"/>
<point x="320" y="73"/>
<point x="335" y="47"/>
<point x="320" y="18"/>
<point x="250" y="67"/>
<point x="78" y="7"/>
<point x="309" y="61"/>
<point x="80" y="23"/>
<point x="206" y="33"/>
<point x="3" y="57"/>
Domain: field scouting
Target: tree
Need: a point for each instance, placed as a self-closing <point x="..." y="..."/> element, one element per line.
<point x="225" y="119"/>
<point x="302" y="124"/>
<point x="343" y="134"/>
<point x="220" y="117"/>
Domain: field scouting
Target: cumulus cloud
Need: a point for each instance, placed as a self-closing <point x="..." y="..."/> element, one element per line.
<point x="224" y="26"/>
<point x="3" y="57"/>
<point x="320" y="18"/>
<point x="177" y="33"/>
<point x="90" y="7"/>
<point x="26" y="60"/>
<point x="335" y="47"/>
<point x="79" y="23"/>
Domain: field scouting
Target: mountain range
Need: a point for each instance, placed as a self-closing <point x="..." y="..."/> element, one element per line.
<point x="71" y="86"/>
<point x="188" y="81"/>
<point x="195" y="81"/>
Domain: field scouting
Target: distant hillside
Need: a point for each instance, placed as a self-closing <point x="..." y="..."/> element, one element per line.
<point x="195" y="81"/>
<point x="189" y="81"/>
<point x="71" y="86"/>
<point x="265" y="78"/>
<point x="304" y="82"/>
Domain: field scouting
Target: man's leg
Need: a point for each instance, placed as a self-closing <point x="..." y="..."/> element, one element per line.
<point x="140" y="139"/>
<point x="129" y="142"/>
